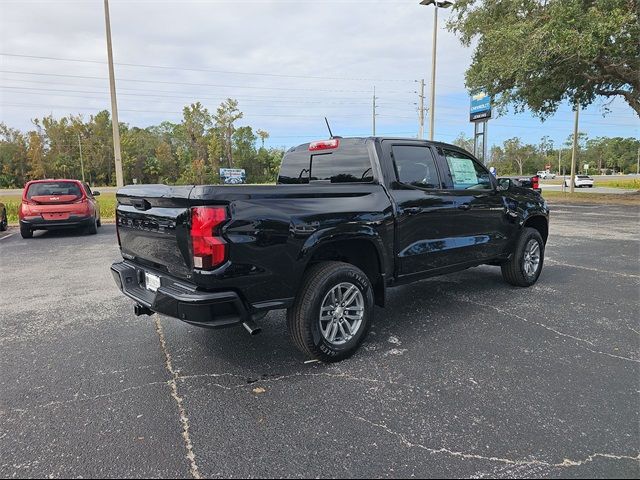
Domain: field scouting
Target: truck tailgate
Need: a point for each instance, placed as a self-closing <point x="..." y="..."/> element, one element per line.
<point x="153" y="227"/>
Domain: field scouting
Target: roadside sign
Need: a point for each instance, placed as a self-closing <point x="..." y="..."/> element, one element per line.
<point x="480" y="107"/>
<point x="233" y="176"/>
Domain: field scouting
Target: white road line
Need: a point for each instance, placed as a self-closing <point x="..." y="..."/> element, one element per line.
<point x="7" y="236"/>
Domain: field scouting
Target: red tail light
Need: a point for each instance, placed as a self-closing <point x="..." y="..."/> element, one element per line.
<point x="535" y="182"/>
<point x="324" y="145"/>
<point x="209" y="248"/>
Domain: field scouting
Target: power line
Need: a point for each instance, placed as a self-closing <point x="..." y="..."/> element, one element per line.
<point x="130" y="89"/>
<point x="186" y="83"/>
<point x="71" y="93"/>
<point x="206" y="70"/>
<point x="171" y="112"/>
<point x="186" y="97"/>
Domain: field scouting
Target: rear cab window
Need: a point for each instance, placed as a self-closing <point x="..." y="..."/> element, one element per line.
<point x="45" y="189"/>
<point x="349" y="163"/>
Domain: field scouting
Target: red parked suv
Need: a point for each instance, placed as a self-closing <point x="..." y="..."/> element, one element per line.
<point x="51" y="204"/>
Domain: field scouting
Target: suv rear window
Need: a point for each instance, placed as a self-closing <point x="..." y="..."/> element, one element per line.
<point x="53" y="188"/>
<point x="350" y="163"/>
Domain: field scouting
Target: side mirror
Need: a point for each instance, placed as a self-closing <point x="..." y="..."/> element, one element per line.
<point x="96" y="194"/>
<point x="504" y="184"/>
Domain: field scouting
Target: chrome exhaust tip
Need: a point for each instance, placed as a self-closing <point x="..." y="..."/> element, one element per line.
<point x="251" y="327"/>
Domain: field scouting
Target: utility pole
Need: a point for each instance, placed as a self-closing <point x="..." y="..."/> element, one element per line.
<point x="114" y="103"/>
<point x="574" y="153"/>
<point x="421" y="109"/>
<point x="81" y="161"/>
<point x="638" y="164"/>
<point x="432" y="103"/>
<point x="374" y="111"/>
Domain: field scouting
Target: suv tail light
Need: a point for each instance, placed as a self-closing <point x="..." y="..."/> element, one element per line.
<point x="324" y="145"/>
<point x="535" y="180"/>
<point x="209" y="248"/>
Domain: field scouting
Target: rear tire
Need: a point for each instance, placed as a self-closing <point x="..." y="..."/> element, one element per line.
<point x="332" y="313"/>
<point x="26" y="232"/>
<point x="524" y="267"/>
<point x="3" y="221"/>
<point x="93" y="228"/>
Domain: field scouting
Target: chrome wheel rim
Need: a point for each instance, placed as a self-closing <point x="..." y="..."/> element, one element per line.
<point x="531" y="257"/>
<point x="341" y="313"/>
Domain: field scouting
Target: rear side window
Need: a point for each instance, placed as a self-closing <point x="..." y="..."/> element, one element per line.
<point x="414" y="165"/>
<point x="467" y="174"/>
<point x="295" y="167"/>
<point x="53" y="188"/>
<point x="349" y="164"/>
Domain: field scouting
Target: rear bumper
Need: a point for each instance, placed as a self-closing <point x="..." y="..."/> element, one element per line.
<point x="178" y="300"/>
<point x="39" y="223"/>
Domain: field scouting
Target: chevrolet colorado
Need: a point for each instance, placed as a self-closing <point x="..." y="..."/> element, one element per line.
<point x="348" y="218"/>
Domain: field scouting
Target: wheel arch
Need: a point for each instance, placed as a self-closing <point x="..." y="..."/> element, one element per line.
<point x="540" y="223"/>
<point x="363" y="249"/>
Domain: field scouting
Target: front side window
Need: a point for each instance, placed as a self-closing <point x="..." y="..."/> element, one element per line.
<point x="414" y="165"/>
<point x="466" y="174"/>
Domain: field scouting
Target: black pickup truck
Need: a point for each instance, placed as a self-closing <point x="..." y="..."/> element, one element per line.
<point x="349" y="218"/>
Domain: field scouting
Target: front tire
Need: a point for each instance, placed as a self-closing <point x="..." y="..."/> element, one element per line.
<point x="332" y="313"/>
<point x="3" y="221"/>
<point x="524" y="267"/>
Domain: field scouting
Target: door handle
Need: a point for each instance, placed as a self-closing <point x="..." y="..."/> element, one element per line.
<point x="412" y="210"/>
<point x="464" y="206"/>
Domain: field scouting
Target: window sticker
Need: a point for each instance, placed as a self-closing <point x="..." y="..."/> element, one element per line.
<point x="463" y="170"/>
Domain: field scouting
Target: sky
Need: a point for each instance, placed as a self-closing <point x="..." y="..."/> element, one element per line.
<point x="290" y="63"/>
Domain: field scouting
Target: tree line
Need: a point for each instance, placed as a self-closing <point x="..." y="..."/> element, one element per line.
<point x="604" y="155"/>
<point x="191" y="151"/>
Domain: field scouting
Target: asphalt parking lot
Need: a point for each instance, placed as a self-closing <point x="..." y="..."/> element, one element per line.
<point x="462" y="376"/>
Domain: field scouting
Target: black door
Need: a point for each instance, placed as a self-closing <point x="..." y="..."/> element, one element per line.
<point x="480" y="213"/>
<point x="425" y="233"/>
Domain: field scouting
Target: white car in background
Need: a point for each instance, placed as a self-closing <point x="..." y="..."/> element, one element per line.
<point x="580" y="181"/>
<point x="543" y="174"/>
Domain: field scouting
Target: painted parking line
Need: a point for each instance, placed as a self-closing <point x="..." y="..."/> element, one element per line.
<point x="7" y="236"/>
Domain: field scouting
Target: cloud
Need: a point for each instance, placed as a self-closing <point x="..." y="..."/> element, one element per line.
<point x="359" y="43"/>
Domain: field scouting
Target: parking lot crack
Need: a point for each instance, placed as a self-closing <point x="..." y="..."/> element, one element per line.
<point x="581" y="267"/>
<point x="173" y="385"/>
<point x="78" y="399"/>
<point x="566" y="463"/>
<point x="581" y="341"/>
<point x="279" y="378"/>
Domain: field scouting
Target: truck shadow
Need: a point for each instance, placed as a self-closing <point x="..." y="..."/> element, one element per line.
<point x="414" y="316"/>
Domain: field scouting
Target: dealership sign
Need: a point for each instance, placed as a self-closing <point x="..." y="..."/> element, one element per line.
<point x="233" y="175"/>
<point x="480" y="107"/>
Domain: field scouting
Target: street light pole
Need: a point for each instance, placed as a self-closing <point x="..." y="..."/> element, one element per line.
<point x="114" y="103"/>
<point x="432" y="103"/>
